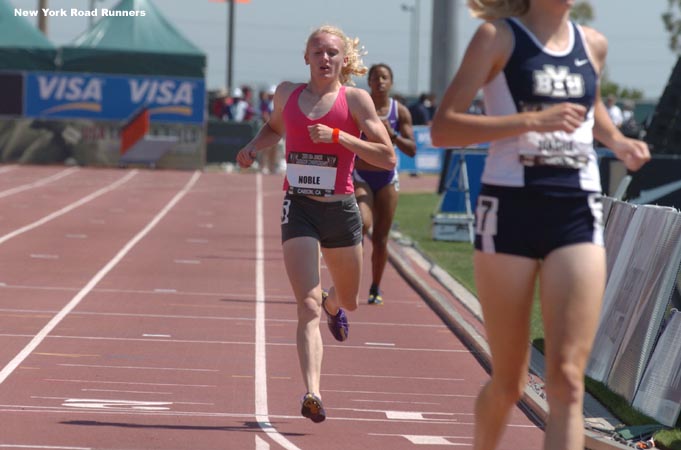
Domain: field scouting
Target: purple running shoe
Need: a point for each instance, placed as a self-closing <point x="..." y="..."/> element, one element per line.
<point x="338" y="324"/>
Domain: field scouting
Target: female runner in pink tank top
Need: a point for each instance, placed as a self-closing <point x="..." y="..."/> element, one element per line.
<point x="322" y="121"/>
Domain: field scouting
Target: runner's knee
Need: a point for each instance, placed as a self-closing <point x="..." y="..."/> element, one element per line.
<point x="507" y="391"/>
<point x="564" y="384"/>
<point x="309" y="309"/>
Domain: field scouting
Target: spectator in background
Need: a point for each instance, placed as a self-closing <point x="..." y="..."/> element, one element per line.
<point x="266" y="103"/>
<point x="422" y="110"/>
<point x="477" y="107"/>
<point x="242" y="110"/>
<point x="271" y="158"/>
<point x="431" y="106"/>
<point x="614" y="111"/>
<point x="222" y="105"/>
<point x="630" y="126"/>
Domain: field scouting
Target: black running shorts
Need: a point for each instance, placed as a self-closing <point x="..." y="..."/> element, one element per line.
<point x="333" y="224"/>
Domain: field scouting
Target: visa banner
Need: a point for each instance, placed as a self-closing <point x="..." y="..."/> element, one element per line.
<point x="113" y="97"/>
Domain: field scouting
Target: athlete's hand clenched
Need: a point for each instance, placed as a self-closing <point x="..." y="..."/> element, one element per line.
<point x="561" y="117"/>
<point x="320" y="134"/>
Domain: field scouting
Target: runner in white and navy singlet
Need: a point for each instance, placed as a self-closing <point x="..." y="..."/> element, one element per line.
<point x="533" y="79"/>
<point x="542" y="165"/>
<point x="538" y="218"/>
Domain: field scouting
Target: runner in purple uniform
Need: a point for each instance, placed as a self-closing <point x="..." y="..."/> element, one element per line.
<point x="377" y="189"/>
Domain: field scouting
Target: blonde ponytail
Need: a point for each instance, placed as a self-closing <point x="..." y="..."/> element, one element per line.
<point x="498" y="9"/>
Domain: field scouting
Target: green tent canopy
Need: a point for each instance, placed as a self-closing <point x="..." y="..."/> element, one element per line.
<point x="23" y="46"/>
<point x="135" y="45"/>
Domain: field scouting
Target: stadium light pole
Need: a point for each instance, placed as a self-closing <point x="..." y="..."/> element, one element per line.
<point x="91" y="19"/>
<point x="443" y="52"/>
<point x="42" y="18"/>
<point x="230" y="37"/>
<point x="414" y="46"/>
<point x="230" y="43"/>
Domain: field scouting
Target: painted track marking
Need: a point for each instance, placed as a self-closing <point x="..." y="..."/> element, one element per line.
<point x="52" y="324"/>
<point x="35" y="184"/>
<point x="67" y="209"/>
<point x="43" y="447"/>
<point x="261" y="409"/>
<point x="430" y="440"/>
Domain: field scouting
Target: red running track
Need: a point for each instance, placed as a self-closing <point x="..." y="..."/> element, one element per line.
<point x="150" y="310"/>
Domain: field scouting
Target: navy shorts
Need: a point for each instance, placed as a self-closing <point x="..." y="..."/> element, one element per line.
<point x="534" y="222"/>
<point x="333" y="224"/>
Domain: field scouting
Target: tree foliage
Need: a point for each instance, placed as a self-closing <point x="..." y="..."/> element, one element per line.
<point x="582" y="12"/>
<point x="672" y="23"/>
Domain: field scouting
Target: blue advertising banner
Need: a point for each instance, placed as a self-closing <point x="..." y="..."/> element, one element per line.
<point x="50" y="95"/>
<point x="428" y="159"/>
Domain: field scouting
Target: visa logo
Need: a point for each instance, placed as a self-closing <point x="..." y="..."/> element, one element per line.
<point x="161" y="92"/>
<point x="70" y="88"/>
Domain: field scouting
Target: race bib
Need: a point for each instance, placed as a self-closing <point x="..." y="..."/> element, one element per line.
<point x="553" y="149"/>
<point x="311" y="174"/>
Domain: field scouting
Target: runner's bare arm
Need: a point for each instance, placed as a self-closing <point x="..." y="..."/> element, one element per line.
<point x="377" y="149"/>
<point x="272" y="131"/>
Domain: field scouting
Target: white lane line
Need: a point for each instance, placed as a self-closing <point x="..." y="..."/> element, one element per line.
<point x="155" y="316"/>
<point x="76" y="236"/>
<point x="130" y="383"/>
<point x="137" y="405"/>
<point x="7" y="168"/>
<point x="43" y="256"/>
<point x="187" y="261"/>
<point x="420" y="394"/>
<point x="155" y="340"/>
<point x="102" y="366"/>
<point x="261" y="409"/>
<point x="157" y="335"/>
<point x="404" y="415"/>
<point x="42" y="182"/>
<point x="52" y="324"/>
<point x="165" y="291"/>
<point x="372" y="401"/>
<point x="43" y="447"/>
<point x="409" y="415"/>
<point x="118" y="391"/>
<point x="394" y="377"/>
<point x="68" y="208"/>
<point x="380" y="344"/>
<point x="430" y="440"/>
<point x="261" y="444"/>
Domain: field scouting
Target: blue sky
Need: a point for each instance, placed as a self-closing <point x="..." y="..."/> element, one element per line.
<point x="270" y="36"/>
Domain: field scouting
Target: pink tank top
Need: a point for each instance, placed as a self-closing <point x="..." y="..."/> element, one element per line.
<point x="318" y="169"/>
